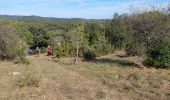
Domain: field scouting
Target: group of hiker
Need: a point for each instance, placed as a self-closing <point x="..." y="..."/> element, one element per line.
<point x="49" y="51"/>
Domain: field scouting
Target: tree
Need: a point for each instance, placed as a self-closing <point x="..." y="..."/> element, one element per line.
<point x="147" y="29"/>
<point x="40" y="37"/>
<point x="76" y="37"/>
<point x="23" y="31"/>
<point x="11" y="46"/>
<point x="116" y="32"/>
<point x="92" y="32"/>
<point x="95" y="36"/>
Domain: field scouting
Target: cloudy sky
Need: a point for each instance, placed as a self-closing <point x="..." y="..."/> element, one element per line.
<point x="90" y="9"/>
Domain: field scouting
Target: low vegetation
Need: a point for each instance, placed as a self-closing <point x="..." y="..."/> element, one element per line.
<point x="125" y="78"/>
<point x="29" y="78"/>
<point x="108" y="77"/>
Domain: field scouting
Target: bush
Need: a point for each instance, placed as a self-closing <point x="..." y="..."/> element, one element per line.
<point x="64" y="50"/>
<point x="22" y="60"/>
<point x="29" y="78"/>
<point x="159" y="57"/>
<point x="60" y="52"/>
<point x="89" y="54"/>
<point x="102" y="48"/>
<point x="20" y="55"/>
<point x="135" y="49"/>
<point x="43" y="50"/>
<point x="11" y="46"/>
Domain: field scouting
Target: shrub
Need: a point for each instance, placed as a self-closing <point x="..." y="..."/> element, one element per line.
<point x="22" y="60"/>
<point x="89" y="54"/>
<point x="29" y="78"/>
<point x="20" y="55"/>
<point x="64" y="50"/>
<point x="135" y="49"/>
<point x="102" y="48"/>
<point x="43" y="50"/>
<point x="11" y="46"/>
<point x="60" y="52"/>
<point x="159" y="57"/>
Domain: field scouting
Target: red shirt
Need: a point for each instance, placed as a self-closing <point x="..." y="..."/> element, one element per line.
<point x="50" y="50"/>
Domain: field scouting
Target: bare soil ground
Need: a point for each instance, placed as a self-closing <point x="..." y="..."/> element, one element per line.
<point x="106" y="78"/>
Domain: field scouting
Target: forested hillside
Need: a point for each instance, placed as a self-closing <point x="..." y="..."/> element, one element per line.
<point x="60" y="33"/>
<point x="143" y="34"/>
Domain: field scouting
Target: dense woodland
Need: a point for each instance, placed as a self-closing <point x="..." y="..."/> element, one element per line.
<point x="145" y="34"/>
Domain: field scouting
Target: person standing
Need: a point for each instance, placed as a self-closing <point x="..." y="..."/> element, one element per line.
<point x="29" y="51"/>
<point x="49" y="52"/>
<point x="37" y="51"/>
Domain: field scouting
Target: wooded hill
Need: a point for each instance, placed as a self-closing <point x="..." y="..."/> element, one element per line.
<point x="145" y="34"/>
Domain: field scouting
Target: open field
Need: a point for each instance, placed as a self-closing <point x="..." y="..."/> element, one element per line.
<point x="106" y="78"/>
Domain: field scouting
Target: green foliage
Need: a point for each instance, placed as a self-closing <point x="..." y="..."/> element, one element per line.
<point x="89" y="54"/>
<point x="91" y="35"/>
<point x="65" y="35"/>
<point x="11" y="46"/>
<point x="29" y="78"/>
<point x="24" y="32"/>
<point x="138" y="34"/>
<point x="64" y="50"/>
<point x="20" y="55"/>
<point x="159" y="56"/>
<point x="93" y="32"/>
<point x="102" y="47"/>
<point x="40" y="37"/>
<point x="115" y="32"/>
<point x="135" y="48"/>
<point x="60" y="52"/>
<point x="147" y="29"/>
<point x="95" y="38"/>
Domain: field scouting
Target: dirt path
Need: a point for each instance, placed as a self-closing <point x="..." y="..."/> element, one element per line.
<point x="60" y="83"/>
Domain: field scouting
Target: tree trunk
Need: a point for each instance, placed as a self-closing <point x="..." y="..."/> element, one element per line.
<point x="77" y="54"/>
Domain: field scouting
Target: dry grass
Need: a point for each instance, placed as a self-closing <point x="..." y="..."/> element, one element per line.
<point x="108" y="78"/>
<point x="124" y="77"/>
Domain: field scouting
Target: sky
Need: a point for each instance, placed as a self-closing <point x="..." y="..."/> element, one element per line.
<point x="89" y="9"/>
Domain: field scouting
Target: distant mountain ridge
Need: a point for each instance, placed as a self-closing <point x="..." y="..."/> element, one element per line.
<point x="33" y="17"/>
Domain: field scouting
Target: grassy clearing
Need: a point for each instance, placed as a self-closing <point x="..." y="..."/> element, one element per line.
<point x="102" y="79"/>
<point x="139" y="84"/>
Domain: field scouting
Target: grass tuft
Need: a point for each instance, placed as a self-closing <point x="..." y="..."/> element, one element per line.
<point x="29" y="78"/>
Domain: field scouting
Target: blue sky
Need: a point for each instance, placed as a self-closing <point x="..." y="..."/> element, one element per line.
<point x="90" y="9"/>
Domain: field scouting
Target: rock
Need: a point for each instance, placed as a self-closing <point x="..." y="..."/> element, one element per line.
<point x="140" y="65"/>
<point x="14" y="73"/>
